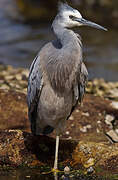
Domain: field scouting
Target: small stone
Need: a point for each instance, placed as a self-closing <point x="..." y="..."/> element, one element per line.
<point x="108" y="119"/>
<point x="90" y="170"/>
<point x="89" y="163"/>
<point x="67" y="132"/>
<point x="88" y="126"/>
<point x="99" y="114"/>
<point x="4" y="86"/>
<point x="116" y="130"/>
<point x="66" y="170"/>
<point x="19" y="97"/>
<point x="98" y="131"/>
<point x="113" y="93"/>
<point x="112" y="136"/>
<point x="8" y="77"/>
<point x="72" y="125"/>
<point x="99" y="122"/>
<point x="83" y="129"/>
<point x="85" y="114"/>
<point x="77" y="110"/>
<point x="69" y="138"/>
<point x="71" y="118"/>
<point x="114" y="104"/>
<point x="18" y="77"/>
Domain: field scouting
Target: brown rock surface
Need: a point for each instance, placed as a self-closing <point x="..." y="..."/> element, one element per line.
<point x="13" y="110"/>
<point x="85" y="143"/>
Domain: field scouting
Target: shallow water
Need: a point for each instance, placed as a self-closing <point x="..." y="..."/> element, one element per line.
<point x="34" y="174"/>
<point x="19" y="43"/>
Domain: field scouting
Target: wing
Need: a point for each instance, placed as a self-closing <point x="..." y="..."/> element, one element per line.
<point x="79" y="88"/>
<point x="35" y="84"/>
<point x="83" y="81"/>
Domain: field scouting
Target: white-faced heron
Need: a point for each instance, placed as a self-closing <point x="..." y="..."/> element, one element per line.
<point x="58" y="76"/>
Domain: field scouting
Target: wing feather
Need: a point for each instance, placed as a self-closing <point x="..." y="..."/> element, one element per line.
<point x="83" y="81"/>
<point x="35" y="84"/>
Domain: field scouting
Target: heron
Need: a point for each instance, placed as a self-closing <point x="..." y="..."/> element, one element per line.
<point x="58" y="76"/>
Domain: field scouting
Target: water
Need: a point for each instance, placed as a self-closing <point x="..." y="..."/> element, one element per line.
<point x="19" y="43"/>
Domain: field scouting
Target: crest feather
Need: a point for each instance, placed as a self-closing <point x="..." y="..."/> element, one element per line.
<point x="63" y="6"/>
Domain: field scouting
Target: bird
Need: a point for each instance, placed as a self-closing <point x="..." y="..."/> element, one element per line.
<point x="58" y="76"/>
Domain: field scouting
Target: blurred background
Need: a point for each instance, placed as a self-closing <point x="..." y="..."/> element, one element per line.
<point x="25" y="26"/>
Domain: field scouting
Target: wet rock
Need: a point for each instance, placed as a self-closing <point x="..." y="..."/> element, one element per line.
<point x="20" y="148"/>
<point x="66" y="170"/>
<point x="90" y="170"/>
<point x="100" y="154"/>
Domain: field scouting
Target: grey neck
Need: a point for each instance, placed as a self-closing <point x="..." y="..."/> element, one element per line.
<point x="66" y="36"/>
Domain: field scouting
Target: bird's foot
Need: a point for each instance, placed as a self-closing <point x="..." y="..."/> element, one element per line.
<point x="55" y="170"/>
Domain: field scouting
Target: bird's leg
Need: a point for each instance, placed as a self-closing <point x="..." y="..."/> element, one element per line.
<point x="55" y="169"/>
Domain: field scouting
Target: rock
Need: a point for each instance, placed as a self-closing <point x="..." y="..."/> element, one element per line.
<point x="66" y="170"/>
<point x="90" y="170"/>
<point x="112" y="135"/>
<point x="13" y="110"/>
<point x="18" y="148"/>
<point x="85" y="114"/>
<point x="83" y="143"/>
<point x="114" y="104"/>
<point x="21" y="148"/>
<point x="100" y="155"/>
<point x="109" y="119"/>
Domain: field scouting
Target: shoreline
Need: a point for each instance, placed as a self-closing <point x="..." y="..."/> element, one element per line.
<point x="16" y="79"/>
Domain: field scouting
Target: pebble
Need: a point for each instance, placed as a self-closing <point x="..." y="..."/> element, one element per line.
<point x="85" y="114"/>
<point x="99" y="122"/>
<point x="114" y="104"/>
<point x="90" y="170"/>
<point x="71" y="118"/>
<point x="66" y="170"/>
<point x="116" y="130"/>
<point x="72" y="125"/>
<point x="108" y="119"/>
<point x="112" y="135"/>
<point x="77" y="110"/>
<point x="67" y="132"/>
<point x="83" y="129"/>
<point x="88" y="126"/>
<point x="98" y="131"/>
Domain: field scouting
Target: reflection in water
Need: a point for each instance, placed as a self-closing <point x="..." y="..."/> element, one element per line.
<point x="19" y="43"/>
<point x="28" y="174"/>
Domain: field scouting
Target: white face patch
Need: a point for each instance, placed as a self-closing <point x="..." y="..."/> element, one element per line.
<point x="72" y="13"/>
<point x="67" y="21"/>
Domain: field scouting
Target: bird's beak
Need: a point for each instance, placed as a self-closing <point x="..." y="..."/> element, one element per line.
<point x="89" y="23"/>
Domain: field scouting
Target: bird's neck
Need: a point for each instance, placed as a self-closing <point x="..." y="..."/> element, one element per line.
<point x="67" y="36"/>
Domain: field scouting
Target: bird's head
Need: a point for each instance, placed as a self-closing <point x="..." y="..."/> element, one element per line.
<point x="70" y="17"/>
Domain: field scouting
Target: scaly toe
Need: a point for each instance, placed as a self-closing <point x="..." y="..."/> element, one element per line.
<point x="55" y="170"/>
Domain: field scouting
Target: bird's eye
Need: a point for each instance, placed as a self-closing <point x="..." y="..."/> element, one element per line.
<point x="71" y="17"/>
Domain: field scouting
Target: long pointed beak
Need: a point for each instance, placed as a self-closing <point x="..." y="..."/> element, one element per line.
<point x="89" y="23"/>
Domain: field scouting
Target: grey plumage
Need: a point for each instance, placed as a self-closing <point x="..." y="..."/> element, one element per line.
<point x="58" y="76"/>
